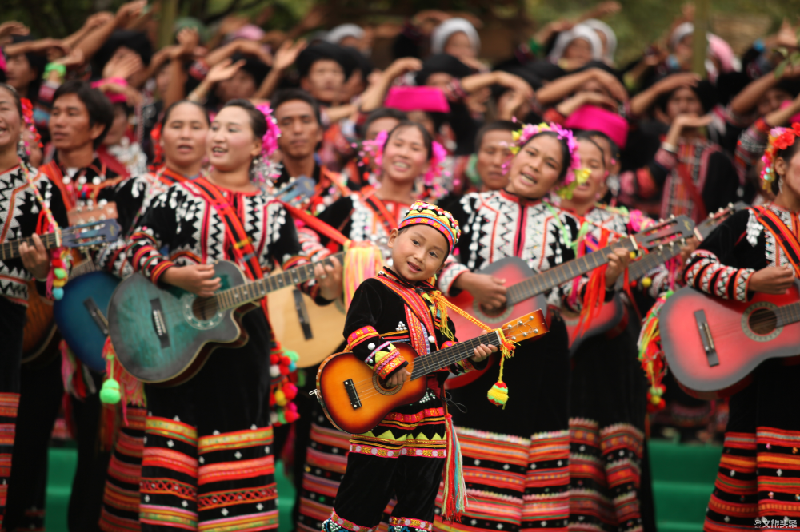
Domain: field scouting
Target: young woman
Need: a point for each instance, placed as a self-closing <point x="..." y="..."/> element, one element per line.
<point x="30" y="205"/>
<point x="405" y="154"/>
<point x="607" y="395"/>
<point x="757" y="251"/>
<point x="208" y="453"/>
<point x="181" y="136"/>
<point x="516" y="460"/>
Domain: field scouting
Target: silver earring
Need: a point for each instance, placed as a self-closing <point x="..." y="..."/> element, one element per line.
<point x="21" y="151"/>
<point x="780" y="183"/>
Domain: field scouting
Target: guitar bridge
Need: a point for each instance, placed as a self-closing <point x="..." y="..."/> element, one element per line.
<point x="159" y="323"/>
<point x="97" y="315"/>
<point x="350" y="387"/>
<point x="705" y="336"/>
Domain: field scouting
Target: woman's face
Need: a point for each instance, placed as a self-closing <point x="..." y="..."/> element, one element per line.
<point x="579" y="51"/>
<point x="684" y="101"/>
<point x="230" y="142"/>
<point x="459" y="45"/>
<point x="19" y="73"/>
<point x="595" y="186"/>
<point x="241" y="85"/>
<point x="405" y="156"/>
<point x="118" y="127"/>
<point x="536" y="168"/>
<point x="10" y="121"/>
<point x="183" y="137"/>
<point x="772" y="101"/>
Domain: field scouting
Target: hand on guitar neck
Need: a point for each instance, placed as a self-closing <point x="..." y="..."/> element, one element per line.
<point x="618" y="261"/>
<point x="35" y="258"/>
<point x="773" y="280"/>
<point x="401" y="376"/>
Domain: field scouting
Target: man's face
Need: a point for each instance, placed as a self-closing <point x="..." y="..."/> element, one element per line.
<point x="324" y="81"/>
<point x="300" y="131"/>
<point x="70" y="126"/>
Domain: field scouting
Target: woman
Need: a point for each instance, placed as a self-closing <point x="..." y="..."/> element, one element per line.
<point x="404" y="154"/>
<point x="756" y="251"/>
<point x="181" y="136"/>
<point x="607" y="395"/>
<point x="25" y="198"/>
<point x="208" y="453"/>
<point x="516" y="460"/>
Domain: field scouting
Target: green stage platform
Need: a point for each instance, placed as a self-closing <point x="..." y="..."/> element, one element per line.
<point x="683" y="479"/>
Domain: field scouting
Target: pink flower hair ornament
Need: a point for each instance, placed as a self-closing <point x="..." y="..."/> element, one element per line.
<point x="780" y="138"/>
<point x="374" y="148"/>
<point x="269" y="145"/>
<point x="576" y="174"/>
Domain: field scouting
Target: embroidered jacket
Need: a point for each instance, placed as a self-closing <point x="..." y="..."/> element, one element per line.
<point x="132" y="197"/>
<point x="182" y="220"/>
<point x="330" y="186"/>
<point x="81" y="186"/>
<point x="385" y="311"/>
<point x="740" y="246"/>
<point x="21" y="216"/>
<point x="496" y="225"/>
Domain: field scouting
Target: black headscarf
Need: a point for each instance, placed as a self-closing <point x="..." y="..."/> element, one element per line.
<point x="545" y="70"/>
<point x="137" y="41"/>
<point x="322" y="51"/>
<point x="442" y="63"/>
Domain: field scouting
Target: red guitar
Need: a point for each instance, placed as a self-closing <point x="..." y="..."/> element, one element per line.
<point x="612" y="317"/>
<point x="526" y="289"/>
<point x="712" y="345"/>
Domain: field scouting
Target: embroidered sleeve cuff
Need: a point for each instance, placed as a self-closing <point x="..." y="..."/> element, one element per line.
<point x="362" y="335"/>
<point x="387" y="362"/>
<point x="666" y="159"/>
<point x="449" y="276"/>
<point x="743" y="284"/>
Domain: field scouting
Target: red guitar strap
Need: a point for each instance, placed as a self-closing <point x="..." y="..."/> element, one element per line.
<point x="783" y="235"/>
<point x="375" y="203"/>
<point x="316" y="224"/>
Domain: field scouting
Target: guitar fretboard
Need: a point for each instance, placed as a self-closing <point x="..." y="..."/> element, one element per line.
<point x="787" y="314"/>
<point x="10" y="250"/>
<point x="444" y="357"/>
<point x="253" y="291"/>
<point x="546" y="281"/>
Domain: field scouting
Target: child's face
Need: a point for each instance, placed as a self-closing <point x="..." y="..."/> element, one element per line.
<point x="418" y="252"/>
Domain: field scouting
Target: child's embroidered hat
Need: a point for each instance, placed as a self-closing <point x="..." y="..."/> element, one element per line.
<point x="436" y="217"/>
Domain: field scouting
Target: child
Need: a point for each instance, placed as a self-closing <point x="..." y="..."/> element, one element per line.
<point x="405" y="454"/>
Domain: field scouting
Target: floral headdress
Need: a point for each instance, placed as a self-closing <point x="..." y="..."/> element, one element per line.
<point x="267" y="170"/>
<point x="424" y="213"/>
<point x="27" y="116"/>
<point x="374" y="149"/>
<point x="576" y="174"/>
<point x="780" y="138"/>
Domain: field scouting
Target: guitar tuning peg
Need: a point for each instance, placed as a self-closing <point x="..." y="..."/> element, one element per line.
<point x="519" y="322"/>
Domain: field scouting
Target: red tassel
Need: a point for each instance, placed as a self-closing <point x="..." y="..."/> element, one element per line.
<point x="109" y="423"/>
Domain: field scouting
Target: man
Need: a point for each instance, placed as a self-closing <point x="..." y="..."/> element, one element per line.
<point x="80" y="119"/>
<point x="298" y="116"/>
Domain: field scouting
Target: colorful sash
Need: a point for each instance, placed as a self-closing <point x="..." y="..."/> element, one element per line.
<point x="784" y="236"/>
<point x="418" y="314"/>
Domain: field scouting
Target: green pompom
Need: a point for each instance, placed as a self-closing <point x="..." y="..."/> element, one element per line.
<point x="60" y="273"/>
<point x="292" y="355"/>
<point x="110" y="394"/>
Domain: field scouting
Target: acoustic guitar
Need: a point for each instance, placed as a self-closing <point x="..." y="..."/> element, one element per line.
<point x="355" y="399"/>
<point x="40" y="326"/>
<point x="713" y="345"/>
<point x="526" y="289"/>
<point x="166" y="334"/>
<point x="612" y="316"/>
<point x="81" y="313"/>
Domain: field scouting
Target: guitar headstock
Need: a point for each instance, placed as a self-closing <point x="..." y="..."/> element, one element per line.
<point x="716" y="218"/>
<point x="86" y="215"/>
<point x="664" y="233"/>
<point x="297" y="191"/>
<point x="528" y="326"/>
<point x="91" y="234"/>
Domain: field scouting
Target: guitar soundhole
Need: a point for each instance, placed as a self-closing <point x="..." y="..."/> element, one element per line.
<point x="205" y="308"/>
<point x="763" y="321"/>
<point x="379" y="383"/>
<point x="493" y="312"/>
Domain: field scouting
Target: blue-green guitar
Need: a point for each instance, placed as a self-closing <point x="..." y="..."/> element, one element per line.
<point x="166" y="334"/>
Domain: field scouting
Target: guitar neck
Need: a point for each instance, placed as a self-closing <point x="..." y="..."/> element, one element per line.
<point x="10" y="250"/>
<point x="255" y="290"/>
<point x="546" y="281"/>
<point x="450" y="355"/>
<point x="787" y="314"/>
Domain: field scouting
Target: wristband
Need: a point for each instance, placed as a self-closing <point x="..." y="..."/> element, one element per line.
<point x="534" y="46"/>
<point x="669" y="147"/>
<point x="55" y="67"/>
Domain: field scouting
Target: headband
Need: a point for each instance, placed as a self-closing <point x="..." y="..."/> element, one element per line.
<point x="433" y="216"/>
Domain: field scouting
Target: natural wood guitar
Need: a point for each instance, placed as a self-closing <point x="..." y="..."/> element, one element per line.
<point x="355" y="399"/>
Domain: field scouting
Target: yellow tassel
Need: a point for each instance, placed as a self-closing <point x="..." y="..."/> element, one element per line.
<point x="362" y="260"/>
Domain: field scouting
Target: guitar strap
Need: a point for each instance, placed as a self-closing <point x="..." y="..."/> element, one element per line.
<point x="783" y="235"/>
<point x="375" y="203"/>
<point x="684" y="173"/>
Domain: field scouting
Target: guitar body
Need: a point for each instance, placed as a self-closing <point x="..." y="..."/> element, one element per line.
<point x="608" y="316"/>
<point x="78" y="319"/>
<point x="163" y="334"/>
<point x="375" y="400"/>
<point x="39" y="325"/>
<point x="300" y="325"/>
<point x="742" y="337"/>
<point x="513" y="270"/>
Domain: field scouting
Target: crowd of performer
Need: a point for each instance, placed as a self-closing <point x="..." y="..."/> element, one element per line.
<point x="432" y="174"/>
